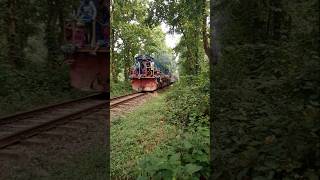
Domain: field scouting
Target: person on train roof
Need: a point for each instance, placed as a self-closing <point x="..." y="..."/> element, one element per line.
<point x="87" y="14"/>
<point x="102" y="26"/>
<point x="87" y="11"/>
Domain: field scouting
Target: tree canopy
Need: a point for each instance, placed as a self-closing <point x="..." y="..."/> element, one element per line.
<point x="131" y="35"/>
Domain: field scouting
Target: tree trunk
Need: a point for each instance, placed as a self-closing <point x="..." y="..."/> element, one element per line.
<point x="126" y="61"/>
<point x="51" y="33"/>
<point x="204" y="29"/>
<point x="277" y="19"/>
<point x="22" y="33"/>
<point x="114" y="67"/>
<point x="12" y="32"/>
<point x="60" y="5"/>
<point x="213" y="60"/>
<point x="213" y="51"/>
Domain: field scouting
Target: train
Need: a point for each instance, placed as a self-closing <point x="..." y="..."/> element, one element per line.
<point x="87" y="51"/>
<point x="86" y="46"/>
<point x="147" y="75"/>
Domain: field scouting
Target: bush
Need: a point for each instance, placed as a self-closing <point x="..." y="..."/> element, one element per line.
<point x="266" y="121"/>
<point x="120" y="88"/>
<point x="186" y="156"/>
<point x="188" y="102"/>
<point x="34" y="85"/>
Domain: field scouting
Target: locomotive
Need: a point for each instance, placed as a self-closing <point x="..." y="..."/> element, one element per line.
<point x="86" y="46"/>
<point x="148" y="75"/>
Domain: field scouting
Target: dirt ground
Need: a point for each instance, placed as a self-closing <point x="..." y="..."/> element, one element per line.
<point x="37" y="154"/>
<point x="130" y="106"/>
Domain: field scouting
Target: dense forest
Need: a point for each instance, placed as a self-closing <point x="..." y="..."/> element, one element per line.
<point x="32" y="72"/>
<point x="136" y="29"/>
<point x="265" y="98"/>
<point x="132" y="36"/>
<point x="251" y="65"/>
<point x="264" y="72"/>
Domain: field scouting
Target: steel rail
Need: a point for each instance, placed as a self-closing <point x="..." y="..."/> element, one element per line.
<point x="45" y="126"/>
<point x="18" y="115"/>
<point x="126" y="100"/>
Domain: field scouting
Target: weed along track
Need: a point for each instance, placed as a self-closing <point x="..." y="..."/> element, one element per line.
<point x="121" y="109"/>
<point x="124" y="99"/>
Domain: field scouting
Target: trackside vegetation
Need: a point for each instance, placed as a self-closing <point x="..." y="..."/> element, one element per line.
<point x="33" y="86"/>
<point x="32" y="71"/>
<point x="120" y="88"/>
<point x="264" y="82"/>
<point x="168" y="137"/>
<point x="137" y="134"/>
<point x="187" y="155"/>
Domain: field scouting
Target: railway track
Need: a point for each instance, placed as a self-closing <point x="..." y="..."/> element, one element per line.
<point x="21" y="126"/>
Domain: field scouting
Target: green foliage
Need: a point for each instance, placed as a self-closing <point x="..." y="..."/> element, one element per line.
<point x="266" y="92"/>
<point x="187" y="18"/>
<point x="29" y="78"/>
<point x="132" y="36"/>
<point x="137" y="134"/>
<point x="188" y="102"/>
<point x="185" y="157"/>
<point x="266" y="125"/>
<point x="182" y="154"/>
<point x="120" y="88"/>
<point x="89" y="165"/>
<point x="34" y="86"/>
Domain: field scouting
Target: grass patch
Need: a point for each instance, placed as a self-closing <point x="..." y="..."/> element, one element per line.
<point x="138" y="134"/>
<point x="120" y="88"/>
<point x="186" y="156"/>
<point x="34" y="86"/>
<point x="90" y="165"/>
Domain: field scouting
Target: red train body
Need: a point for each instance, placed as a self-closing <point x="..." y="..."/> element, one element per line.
<point x="87" y="52"/>
<point x="145" y="76"/>
<point x="89" y="72"/>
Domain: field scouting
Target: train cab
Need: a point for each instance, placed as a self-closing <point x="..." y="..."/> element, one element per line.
<point x="86" y="46"/>
<point x="146" y="75"/>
